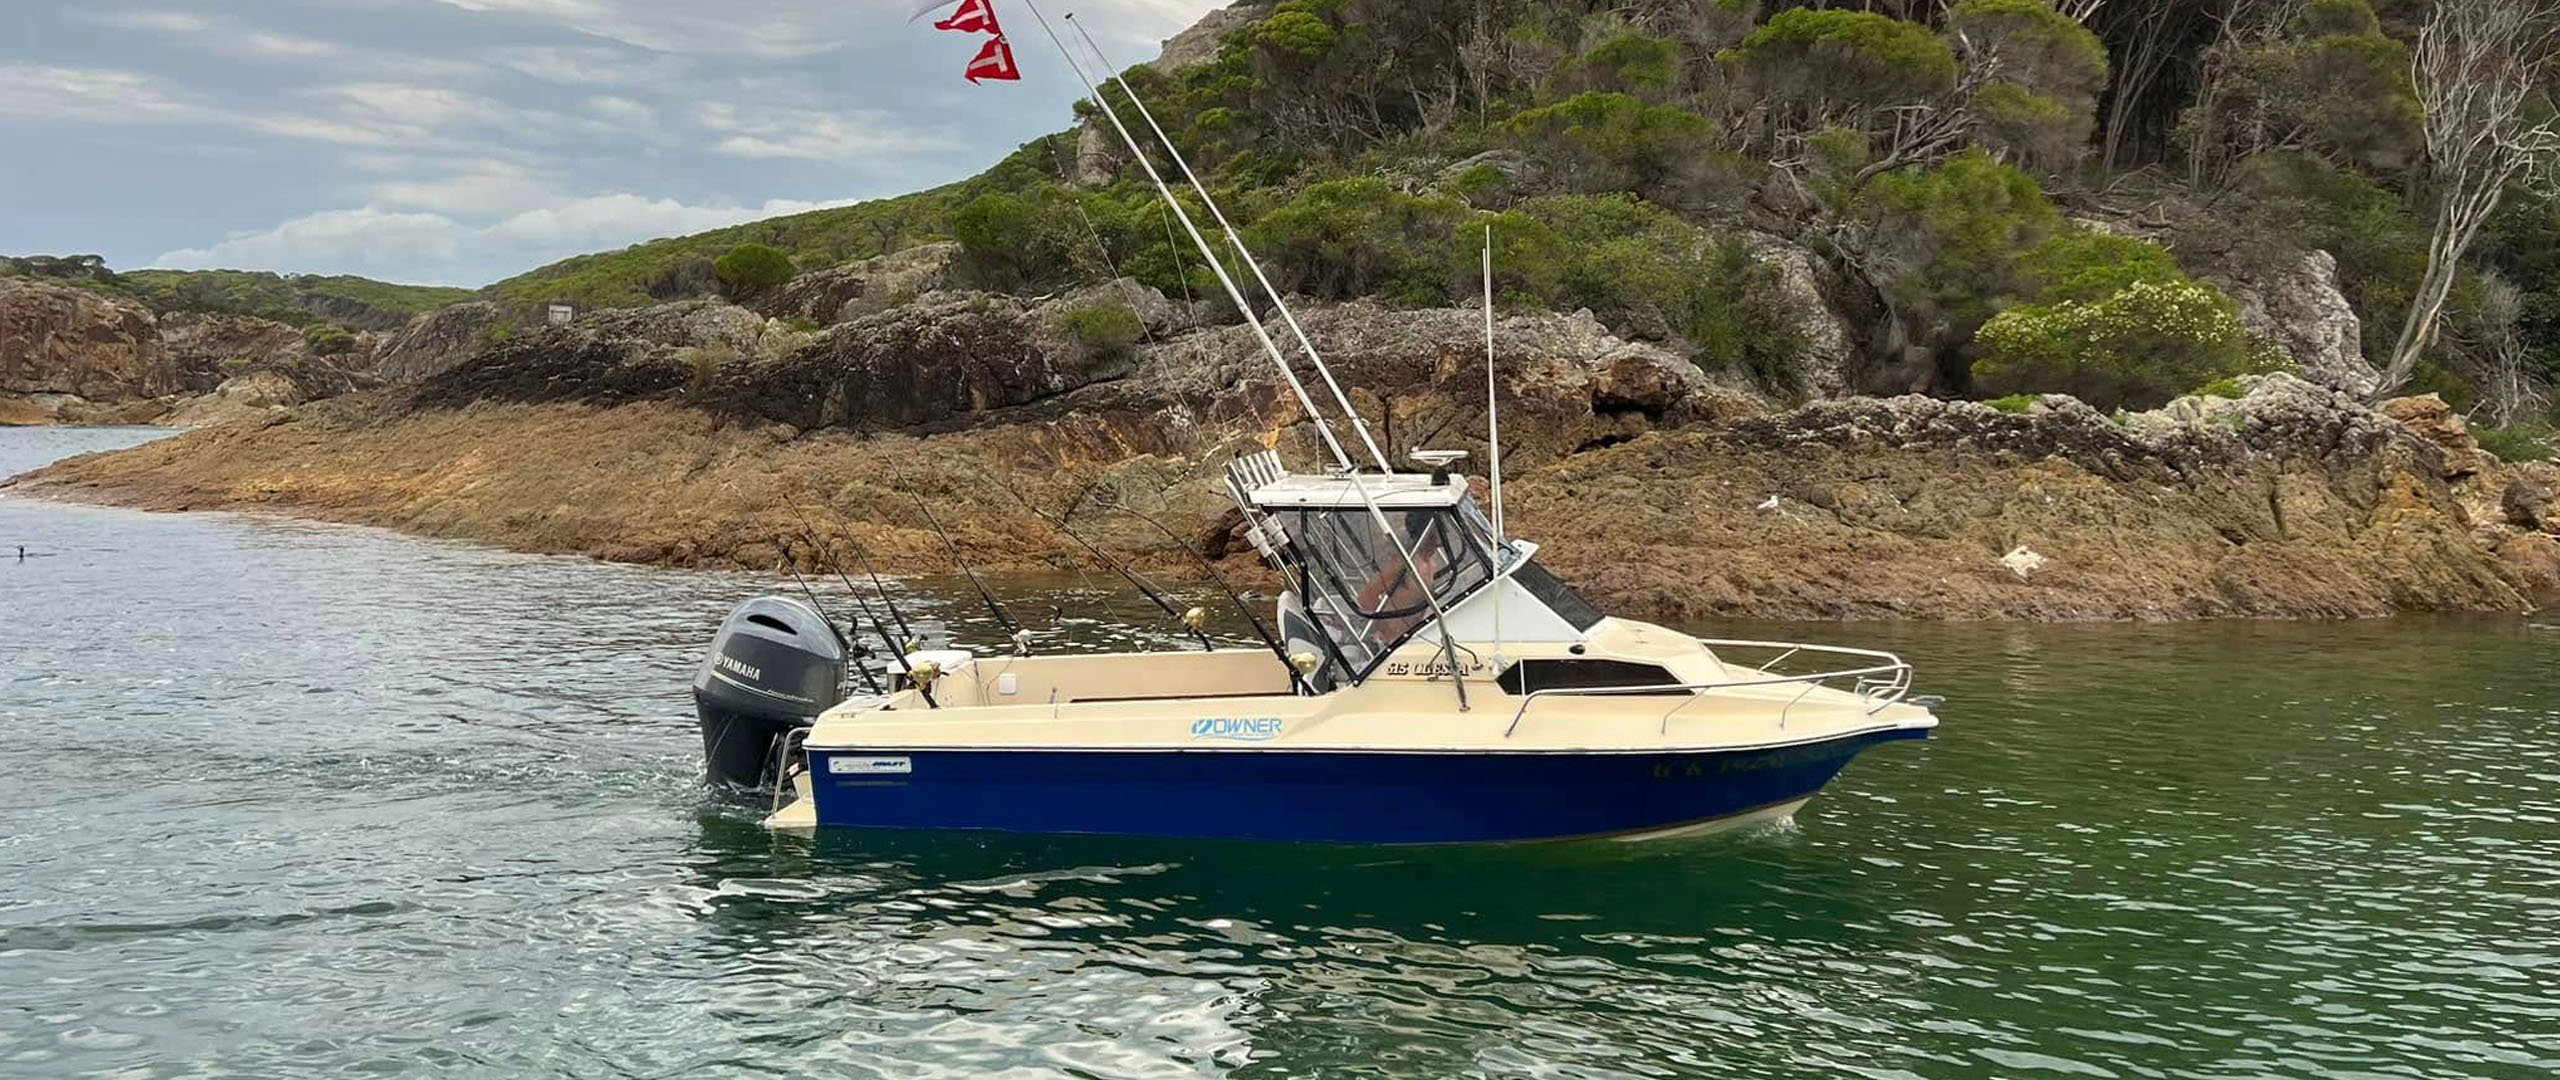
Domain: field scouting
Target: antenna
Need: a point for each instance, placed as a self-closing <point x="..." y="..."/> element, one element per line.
<point x="1439" y="613"/>
<point x="1493" y="445"/>
<point x="1237" y="239"/>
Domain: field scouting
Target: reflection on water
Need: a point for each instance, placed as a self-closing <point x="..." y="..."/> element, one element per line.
<point x="286" y="799"/>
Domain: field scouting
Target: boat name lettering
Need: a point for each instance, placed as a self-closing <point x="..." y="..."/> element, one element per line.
<point x="1242" y="728"/>
<point x="749" y="670"/>
<point x="1432" y="669"/>
<point x="870" y="766"/>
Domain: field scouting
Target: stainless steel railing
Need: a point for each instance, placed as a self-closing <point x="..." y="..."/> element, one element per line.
<point x="1877" y="685"/>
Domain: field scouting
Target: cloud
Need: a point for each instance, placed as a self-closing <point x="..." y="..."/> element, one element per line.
<point x="763" y="29"/>
<point x="592" y="65"/>
<point x="166" y="22"/>
<point x="87" y="95"/>
<point x="420" y="245"/>
<point x="812" y="134"/>
<point x="480" y="187"/>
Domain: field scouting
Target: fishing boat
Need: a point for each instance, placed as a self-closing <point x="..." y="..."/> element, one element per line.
<point x="1428" y="681"/>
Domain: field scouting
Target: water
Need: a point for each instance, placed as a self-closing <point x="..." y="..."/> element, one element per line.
<point x="286" y="799"/>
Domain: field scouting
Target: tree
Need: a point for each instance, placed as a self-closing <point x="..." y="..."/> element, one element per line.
<point x="751" y="269"/>
<point x="2043" y="102"/>
<point x="2480" y="65"/>
<point x="1812" y="65"/>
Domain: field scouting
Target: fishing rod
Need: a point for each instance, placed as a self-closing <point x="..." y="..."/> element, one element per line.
<point x="897" y="651"/>
<point x="1131" y="576"/>
<point x="1280" y="361"/>
<point x="856" y="651"/>
<point x="1021" y="637"/>
<point x="1260" y="630"/>
<point x="842" y="642"/>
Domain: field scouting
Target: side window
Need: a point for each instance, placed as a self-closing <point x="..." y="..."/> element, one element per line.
<point x="1559" y="597"/>
<point x="1532" y="675"/>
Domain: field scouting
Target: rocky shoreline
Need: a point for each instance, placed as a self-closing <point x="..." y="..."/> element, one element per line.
<point x="702" y="435"/>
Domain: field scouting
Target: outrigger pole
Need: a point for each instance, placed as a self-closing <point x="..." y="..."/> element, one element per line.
<point x="1236" y="238"/>
<point x="1493" y="446"/>
<point x="1440" y="615"/>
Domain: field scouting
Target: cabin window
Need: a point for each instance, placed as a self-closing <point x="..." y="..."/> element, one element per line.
<point x="1358" y="587"/>
<point x="1532" y="675"/>
<point x="1558" y="596"/>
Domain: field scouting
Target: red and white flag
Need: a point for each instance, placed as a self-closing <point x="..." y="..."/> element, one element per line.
<point x="995" y="61"/>
<point x="973" y="17"/>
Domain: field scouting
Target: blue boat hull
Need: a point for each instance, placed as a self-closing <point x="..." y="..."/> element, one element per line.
<point x="1318" y="795"/>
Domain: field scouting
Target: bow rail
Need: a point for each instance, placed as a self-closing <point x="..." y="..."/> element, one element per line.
<point x="1878" y="684"/>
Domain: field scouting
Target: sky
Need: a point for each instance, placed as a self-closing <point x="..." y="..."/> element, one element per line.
<point x="457" y="142"/>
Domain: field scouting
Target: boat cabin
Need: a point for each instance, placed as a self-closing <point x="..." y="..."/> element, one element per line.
<point x="1378" y="561"/>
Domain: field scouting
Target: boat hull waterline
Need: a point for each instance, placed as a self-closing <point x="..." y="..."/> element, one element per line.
<point x="1330" y="796"/>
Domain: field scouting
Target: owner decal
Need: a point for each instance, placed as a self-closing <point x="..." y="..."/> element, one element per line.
<point x="1236" y="728"/>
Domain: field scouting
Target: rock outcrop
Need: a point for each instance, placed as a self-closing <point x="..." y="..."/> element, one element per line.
<point x="257" y="396"/>
<point x="2508" y="505"/>
<point x="939" y="357"/>
<point x="845" y="293"/>
<point x="1825" y="358"/>
<point x="2305" y="315"/>
<point x="208" y="349"/>
<point x="71" y="354"/>
<point x="611" y="356"/>
<point x="1200" y="42"/>
<point x="437" y="340"/>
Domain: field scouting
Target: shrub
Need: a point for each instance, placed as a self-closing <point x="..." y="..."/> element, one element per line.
<point x="1011" y="241"/>
<point x="1603" y="142"/>
<point x="1817" y="63"/>
<point x="1630" y="62"/>
<point x="2333" y="84"/>
<point x="2043" y="132"/>
<point x="1359" y="237"/>
<point x="2018" y="404"/>
<point x="2038" y="48"/>
<point x="326" y="340"/>
<point x="750" y="270"/>
<point x="2519" y="443"/>
<point x="2088" y="265"/>
<point x="1948" y="239"/>
<point x="1647" y="274"/>
<point x="2227" y="386"/>
<point x="2136" y="349"/>
<point x="1103" y="326"/>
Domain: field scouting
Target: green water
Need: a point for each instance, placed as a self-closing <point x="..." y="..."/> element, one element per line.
<point x="293" y="800"/>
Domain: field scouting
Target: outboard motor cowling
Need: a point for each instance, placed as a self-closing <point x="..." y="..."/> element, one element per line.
<point x="774" y="667"/>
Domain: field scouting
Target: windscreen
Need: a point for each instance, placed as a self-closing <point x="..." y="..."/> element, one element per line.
<point x="1360" y="590"/>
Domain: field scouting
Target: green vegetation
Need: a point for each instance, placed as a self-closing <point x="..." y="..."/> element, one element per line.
<point x="327" y="340"/>
<point x="1819" y="63"/>
<point x="295" y="299"/>
<point x="2523" y="442"/>
<point x="1965" y="178"/>
<point x="2138" y="348"/>
<point x="2227" y="386"/>
<point x="2016" y="404"/>
<point x="1103" y="327"/>
<point x="750" y="270"/>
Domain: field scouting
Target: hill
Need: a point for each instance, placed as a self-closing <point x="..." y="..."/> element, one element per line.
<point x="680" y="268"/>
<point x="301" y="300"/>
<point x="1984" y="198"/>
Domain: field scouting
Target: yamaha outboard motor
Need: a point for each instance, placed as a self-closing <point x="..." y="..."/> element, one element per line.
<point x="775" y="666"/>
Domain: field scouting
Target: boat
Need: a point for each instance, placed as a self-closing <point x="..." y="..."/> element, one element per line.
<point x="1429" y="681"/>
